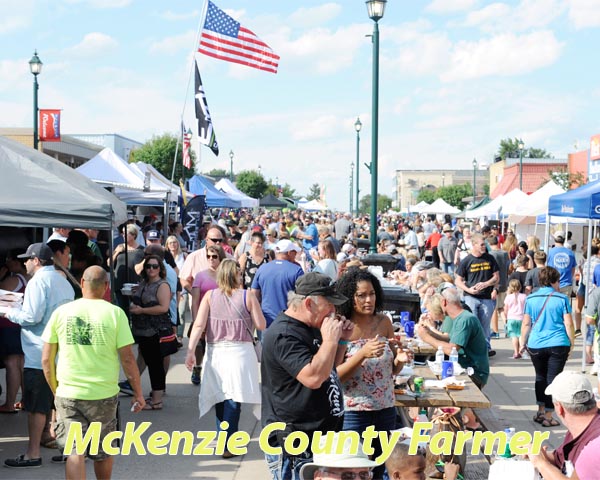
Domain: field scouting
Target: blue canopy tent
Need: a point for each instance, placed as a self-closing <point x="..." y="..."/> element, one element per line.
<point x="200" y="185"/>
<point x="583" y="202"/>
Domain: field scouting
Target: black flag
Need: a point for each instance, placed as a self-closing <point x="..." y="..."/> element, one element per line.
<point x="206" y="133"/>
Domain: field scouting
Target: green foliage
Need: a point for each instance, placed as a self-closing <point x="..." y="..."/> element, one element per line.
<point x="218" y="173"/>
<point x="286" y="190"/>
<point x="509" y="148"/>
<point x="314" y="192"/>
<point x="452" y="194"/>
<point x="565" y="179"/>
<point x="159" y="152"/>
<point x="252" y="183"/>
<point x="384" y="203"/>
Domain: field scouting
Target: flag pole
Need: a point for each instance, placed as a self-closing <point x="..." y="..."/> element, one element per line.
<point x="187" y="89"/>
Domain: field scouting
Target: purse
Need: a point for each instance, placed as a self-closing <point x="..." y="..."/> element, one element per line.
<point x="167" y="341"/>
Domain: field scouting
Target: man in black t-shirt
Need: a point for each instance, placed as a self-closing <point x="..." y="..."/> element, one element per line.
<point x="477" y="275"/>
<point x="300" y="386"/>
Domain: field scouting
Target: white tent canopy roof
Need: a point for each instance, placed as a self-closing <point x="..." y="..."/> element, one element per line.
<point x="419" y="207"/>
<point x="514" y="201"/>
<point x="312" y="206"/>
<point x="440" y="206"/>
<point x="230" y="189"/>
<point x="537" y="203"/>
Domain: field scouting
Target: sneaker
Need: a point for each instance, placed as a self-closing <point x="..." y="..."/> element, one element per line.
<point x="594" y="370"/>
<point x="22" y="462"/>
<point x="577" y="333"/>
<point x="491" y="353"/>
<point x="125" y="388"/>
<point x="196" y="375"/>
<point x="525" y="356"/>
<point x="494" y="335"/>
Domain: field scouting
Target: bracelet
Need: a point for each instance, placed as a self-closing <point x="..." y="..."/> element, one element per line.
<point x="343" y="342"/>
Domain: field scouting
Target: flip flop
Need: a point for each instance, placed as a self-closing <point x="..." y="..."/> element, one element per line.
<point x="539" y="417"/>
<point x="550" y="422"/>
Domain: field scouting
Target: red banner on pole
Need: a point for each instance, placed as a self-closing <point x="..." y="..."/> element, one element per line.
<point x="49" y="125"/>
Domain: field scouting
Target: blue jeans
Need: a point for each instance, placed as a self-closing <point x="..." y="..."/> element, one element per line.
<point x="482" y="308"/>
<point x="548" y="363"/>
<point x="382" y="420"/>
<point x="448" y="267"/>
<point x="228" y="411"/>
<point x="283" y="467"/>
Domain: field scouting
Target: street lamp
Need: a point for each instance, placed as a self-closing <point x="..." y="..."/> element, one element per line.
<point x="375" y="9"/>
<point x="231" y="165"/>
<point x="357" y="127"/>
<point x="474" y="179"/>
<point x="443" y="179"/>
<point x="521" y="147"/>
<point x="351" y="185"/>
<point x="35" y="67"/>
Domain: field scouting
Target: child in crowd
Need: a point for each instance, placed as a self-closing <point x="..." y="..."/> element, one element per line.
<point x="514" y="306"/>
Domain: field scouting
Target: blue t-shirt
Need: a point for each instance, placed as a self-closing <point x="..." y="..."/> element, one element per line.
<point x="596" y="276"/>
<point x="311" y="230"/>
<point x="549" y="329"/>
<point x="274" y="280"/>
<point x="563" y="259"/>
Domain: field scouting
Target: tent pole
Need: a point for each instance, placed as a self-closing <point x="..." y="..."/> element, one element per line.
<point x="588" y="284"/>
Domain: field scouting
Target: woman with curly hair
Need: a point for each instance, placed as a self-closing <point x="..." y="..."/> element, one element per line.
<point x="371" y="359"/>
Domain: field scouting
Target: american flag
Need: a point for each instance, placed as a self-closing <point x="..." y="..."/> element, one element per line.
<point x="187" y="143"/>
<point x="224" y="38"/>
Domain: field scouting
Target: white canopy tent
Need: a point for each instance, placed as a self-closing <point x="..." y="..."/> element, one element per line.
<point x="108" y="169"/>
<point x="418" y="208"/>
<point x="537" y="204"/>
<point x="230" y="189"/>
<point x="489" y="209"/>
<point x="440" y="206"/>
<point x="313" y="206"/>
<point x="157" y="180"/>
<point x="513" y="202"/>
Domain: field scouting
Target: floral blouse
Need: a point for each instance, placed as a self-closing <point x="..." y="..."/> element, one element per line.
<point x="371" y="386"/>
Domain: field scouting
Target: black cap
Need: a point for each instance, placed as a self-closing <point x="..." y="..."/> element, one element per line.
<point x="315" y="283"/>
<point x="39" y="250"/>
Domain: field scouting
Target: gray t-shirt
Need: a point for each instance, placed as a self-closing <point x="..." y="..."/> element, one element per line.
<point x="447" y="248"/>
<point x="503" y="261"/>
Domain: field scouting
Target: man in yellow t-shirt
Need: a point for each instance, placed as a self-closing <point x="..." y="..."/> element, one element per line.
<point x="91" y="336"/>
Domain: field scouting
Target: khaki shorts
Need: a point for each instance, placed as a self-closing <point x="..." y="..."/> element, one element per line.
<point x="69" y="411"/>
<point x="567" y="290"/>
<point x="500" y="297"/>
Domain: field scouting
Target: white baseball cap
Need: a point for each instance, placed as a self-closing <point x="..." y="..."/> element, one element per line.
<point x="570" y="387"/>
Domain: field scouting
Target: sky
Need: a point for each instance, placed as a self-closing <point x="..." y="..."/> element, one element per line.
<point x="456" y="77"/>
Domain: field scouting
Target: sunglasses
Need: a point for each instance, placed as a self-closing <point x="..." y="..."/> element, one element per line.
<point x="212" y="257"/>
<point x="153" y="266"/>
<point x="216" y="240"/>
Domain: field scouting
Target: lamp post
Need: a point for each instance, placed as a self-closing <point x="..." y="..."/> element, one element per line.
<point x="357" y="127"/>
<point x="521" y="147"/>
<point x="351" y="185"/>
<point x="375" y="9"/>
<point x="474" y="180"/>
<point x="231" y="165"/>
<point x="35" y="67"/>
<point x="443" y="179"/>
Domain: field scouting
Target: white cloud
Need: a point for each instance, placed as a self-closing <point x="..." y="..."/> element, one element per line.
<point x="310" y="17"/>
<point x="322" y="49"/>
<point x="427" y="54"/>
<point x="93" y="44"/>
<point x="490" y="14"/>
<point x="450" y="6"/>
<point x="584" y="13"/>
<point x="170" y="45"/>
<point x="323" y="126"/>
<point x="503" y="55"/>
<point x="13" y="23"/>
<point x="175" y="17"/>
<point x="14" y="73"/>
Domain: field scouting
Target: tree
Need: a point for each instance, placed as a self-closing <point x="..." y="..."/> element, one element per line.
<point x="452" y="194"/>
<point x="218" y="173"/>
<point x="384" y="203"/>
<point x="314" y="192"/>
<point x="509" y="148"/>
<point x="251" y="183"/>
<point x="159" y="152"/>
<point x="286" y="190"/>
<point x="565" y="179"/>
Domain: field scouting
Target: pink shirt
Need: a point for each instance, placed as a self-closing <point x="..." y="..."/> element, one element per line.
<point x="586" y="465"/>
<point x="514" y="306"/>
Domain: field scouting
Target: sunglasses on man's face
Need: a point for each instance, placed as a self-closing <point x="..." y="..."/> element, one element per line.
<point x="153" y="266"/>
<point x="216" y="240"/>
<point x="212" y="257"/>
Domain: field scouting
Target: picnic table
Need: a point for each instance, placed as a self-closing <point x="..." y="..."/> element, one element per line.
<point x="471" y="396"/>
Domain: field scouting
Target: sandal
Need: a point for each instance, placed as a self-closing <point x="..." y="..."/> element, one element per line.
<point x="550" y="422"/>
<point x="150" y="405"/>
<point x="539" y="417"/>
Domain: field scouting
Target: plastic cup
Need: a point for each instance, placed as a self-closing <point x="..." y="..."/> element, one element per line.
<point x="409" y="329"/>
<point x="447" y="369"/>
<point x="404" y="317"/>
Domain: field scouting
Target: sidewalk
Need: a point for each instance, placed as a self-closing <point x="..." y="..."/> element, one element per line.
<point x="510" y="388"/>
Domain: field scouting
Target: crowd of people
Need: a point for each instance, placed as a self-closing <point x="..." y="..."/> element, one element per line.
<point x="298" y="287"/>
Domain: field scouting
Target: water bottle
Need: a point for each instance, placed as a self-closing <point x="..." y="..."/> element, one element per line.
<point x="422" y="417"/>
<point x="439" y="357"/>
<point x="454" y="356"/>
<point x="509" y="434"/>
